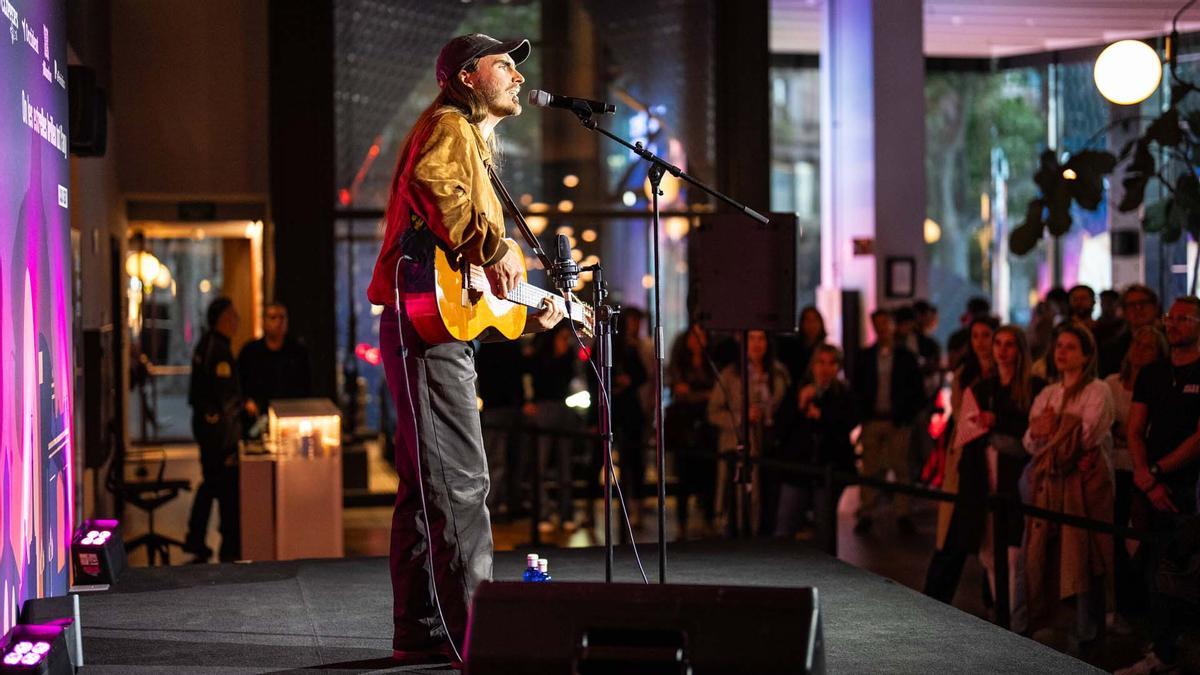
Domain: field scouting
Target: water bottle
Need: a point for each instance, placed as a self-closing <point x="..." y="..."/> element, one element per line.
<point x="531" y="568"/>
<point x="543" y="565"/>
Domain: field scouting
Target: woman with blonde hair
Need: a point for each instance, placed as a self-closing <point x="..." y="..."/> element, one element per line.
<point x="1070" y="439"/>
<point x="993" y="419"/>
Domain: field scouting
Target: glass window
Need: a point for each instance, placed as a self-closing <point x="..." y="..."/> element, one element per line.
<point x="796" y="163"/>
<point x="984" y="132"/>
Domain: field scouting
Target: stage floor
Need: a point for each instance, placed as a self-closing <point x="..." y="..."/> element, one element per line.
<point x="335" y="615"/>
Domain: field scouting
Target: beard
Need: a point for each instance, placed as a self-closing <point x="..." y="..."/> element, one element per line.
<point x="502" y="102"/>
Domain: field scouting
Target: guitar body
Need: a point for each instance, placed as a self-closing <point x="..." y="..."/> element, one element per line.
<point x="446" y="303"/>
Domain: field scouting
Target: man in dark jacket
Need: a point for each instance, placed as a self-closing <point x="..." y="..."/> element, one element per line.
<point x="889" y="389"/>
<point x="274" y="366"/>
<point x="216" y="400"/>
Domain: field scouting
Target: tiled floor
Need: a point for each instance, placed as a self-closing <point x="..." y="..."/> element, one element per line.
<point x="884" y="551"/>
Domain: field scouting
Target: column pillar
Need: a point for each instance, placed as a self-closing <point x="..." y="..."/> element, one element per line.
<point x="872" y="155"/>
<point x="1124" y="229"/>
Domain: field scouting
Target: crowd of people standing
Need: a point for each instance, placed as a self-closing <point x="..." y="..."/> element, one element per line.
<point x="1087" y="413"/>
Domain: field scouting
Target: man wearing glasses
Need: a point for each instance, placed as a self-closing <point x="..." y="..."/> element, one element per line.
<point x="1139" y="306"/>
<point x="1164" y="442"/>
<point x="1163" y="438"/>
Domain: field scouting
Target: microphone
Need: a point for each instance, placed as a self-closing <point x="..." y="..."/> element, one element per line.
<point x="542" y="99"/>
<point x="564" y="271"/>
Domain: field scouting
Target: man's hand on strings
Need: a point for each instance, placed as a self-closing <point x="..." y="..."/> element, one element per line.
<point x="505" y="274"/>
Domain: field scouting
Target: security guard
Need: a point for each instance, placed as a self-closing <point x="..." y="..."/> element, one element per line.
<point x="216" y="401"/>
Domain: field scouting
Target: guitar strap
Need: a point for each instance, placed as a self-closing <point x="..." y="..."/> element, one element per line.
<point x="515" y="212"/>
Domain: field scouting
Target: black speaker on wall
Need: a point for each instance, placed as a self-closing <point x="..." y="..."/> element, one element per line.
<point x="743" y="274"/>
<point x="589" y="629"/>
<point x="88" y="107"/>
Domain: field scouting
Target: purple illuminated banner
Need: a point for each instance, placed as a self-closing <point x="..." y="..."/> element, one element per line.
<point x="36" y="443"/>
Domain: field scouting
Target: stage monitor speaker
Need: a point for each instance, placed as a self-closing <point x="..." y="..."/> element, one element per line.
<point x="88" y="107"/>
<point x="589" y="629"/>
<point x="743" y="274"/>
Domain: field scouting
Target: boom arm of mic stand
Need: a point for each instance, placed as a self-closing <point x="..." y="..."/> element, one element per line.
<point x="589" y="122"/>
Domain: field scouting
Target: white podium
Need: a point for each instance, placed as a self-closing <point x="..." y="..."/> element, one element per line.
<point x="291" y="488"/>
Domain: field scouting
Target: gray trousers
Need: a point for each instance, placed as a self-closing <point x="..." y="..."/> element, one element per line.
<point x="446" y="444"/>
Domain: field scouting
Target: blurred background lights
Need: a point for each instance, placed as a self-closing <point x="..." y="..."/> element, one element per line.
<point x="933" y="231"/>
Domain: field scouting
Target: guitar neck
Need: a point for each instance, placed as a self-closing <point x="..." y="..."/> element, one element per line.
<point x="533" y="297"/>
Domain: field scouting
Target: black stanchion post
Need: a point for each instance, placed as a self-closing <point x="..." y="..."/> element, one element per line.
<point x="1000" y="515"/>
<point x="535" y="499"/>
<point x="829" y="506"/>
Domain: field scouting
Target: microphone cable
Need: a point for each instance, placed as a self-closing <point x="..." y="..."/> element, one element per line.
<point x="437" y="601"/>
<point x="612" y="476"/>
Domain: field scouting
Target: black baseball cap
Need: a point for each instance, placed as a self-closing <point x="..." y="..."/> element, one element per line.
<point x="459" y="51"/>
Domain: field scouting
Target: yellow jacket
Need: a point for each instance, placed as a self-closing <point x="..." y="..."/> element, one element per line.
<point x="442" y="183"/>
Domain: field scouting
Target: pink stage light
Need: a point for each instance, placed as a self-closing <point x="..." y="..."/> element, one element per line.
<point x="23" y="647"/>
<point x="12" y="659"/>
<point x="41" y="647"/>
<point x="31" y="659"/>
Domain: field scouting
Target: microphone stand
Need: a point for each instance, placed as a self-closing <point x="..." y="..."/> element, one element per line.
<point x="606" y="318"/>
<point x="560" y="271"/>
<point x="658" y="167"/>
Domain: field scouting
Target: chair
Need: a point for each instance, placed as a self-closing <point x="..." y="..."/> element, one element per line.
<point x="148" y="495"/>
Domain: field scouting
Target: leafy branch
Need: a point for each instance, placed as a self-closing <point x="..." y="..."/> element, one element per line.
<point x="1174" y="136"/>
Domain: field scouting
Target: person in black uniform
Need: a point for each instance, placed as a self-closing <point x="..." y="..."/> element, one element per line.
<point x="216" y="400"/>
<point x="274" y="366"/>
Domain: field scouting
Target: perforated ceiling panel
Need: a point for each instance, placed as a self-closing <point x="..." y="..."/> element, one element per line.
<point x="385" y="53"/>
<point x="662" y="53"/>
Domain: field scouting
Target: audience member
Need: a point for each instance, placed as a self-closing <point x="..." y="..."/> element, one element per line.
<point x="1139" y="307"/>
<point x="795" y="351"/>
<point x="1110" y="323"/>
<point x="1163" y="436"/>
<point x="690" y="378"/>
<point x="959" y="344"/>
<point x="815" y="422"/>
<point x="927" y="318"/>
<point x="929" y="355"/>
<point x="554" y="365"/>
<point x="993" y="421"/>
<point x="768" y="382"/>
<point x="1164" y="446"/>
<point x="501" y="368"/>
<point x="1082" y="303"/>
<point x="977" y="365"/>
<point x="1070" y="439"/>
<point x="887" y="384"/>
<point x="629" y="375"/>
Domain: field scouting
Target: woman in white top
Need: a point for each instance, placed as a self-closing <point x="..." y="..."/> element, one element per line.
<point x="1079" y="394"/>
<point x="1147" y="346"/>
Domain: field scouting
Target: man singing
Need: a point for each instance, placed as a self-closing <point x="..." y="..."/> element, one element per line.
<point x="441" y="546"/>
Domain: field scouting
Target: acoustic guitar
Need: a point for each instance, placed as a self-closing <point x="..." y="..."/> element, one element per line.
<point x="448" y="299"/>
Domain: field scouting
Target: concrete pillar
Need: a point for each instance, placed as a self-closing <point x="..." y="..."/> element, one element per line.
<point x="872" y="155"/>
<point x="1124" y="229"/>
